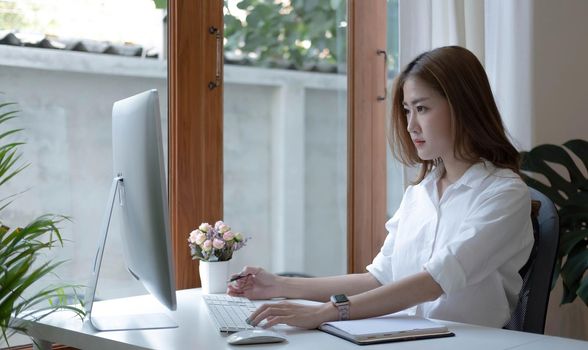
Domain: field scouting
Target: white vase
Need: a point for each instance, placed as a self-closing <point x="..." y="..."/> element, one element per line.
<point x="213" y="276"/>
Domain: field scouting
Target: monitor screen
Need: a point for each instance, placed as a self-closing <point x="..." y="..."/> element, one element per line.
<point x="139" y="193"/>
<point x="138" y="159"/>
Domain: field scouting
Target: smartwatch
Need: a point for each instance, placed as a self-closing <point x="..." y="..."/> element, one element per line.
<point x="342" y="304"/>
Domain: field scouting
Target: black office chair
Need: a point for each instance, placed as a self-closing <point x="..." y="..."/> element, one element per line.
<point x="529" y="315"/>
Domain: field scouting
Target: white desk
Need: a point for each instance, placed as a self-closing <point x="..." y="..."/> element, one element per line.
<point x="197" y="331"/>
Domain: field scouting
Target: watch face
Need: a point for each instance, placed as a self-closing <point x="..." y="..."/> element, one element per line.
<point x="340" y="298"/>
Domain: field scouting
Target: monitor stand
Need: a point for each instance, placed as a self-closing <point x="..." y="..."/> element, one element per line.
<point x="124" y="321"/>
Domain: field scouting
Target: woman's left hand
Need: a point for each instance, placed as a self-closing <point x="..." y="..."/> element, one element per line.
<point x="293" y="314"/>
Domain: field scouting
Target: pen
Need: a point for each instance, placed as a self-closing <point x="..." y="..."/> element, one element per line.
<point x="238" y="277"/>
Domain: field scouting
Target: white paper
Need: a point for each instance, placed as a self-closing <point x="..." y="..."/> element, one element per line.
<point x="386" y="325"/>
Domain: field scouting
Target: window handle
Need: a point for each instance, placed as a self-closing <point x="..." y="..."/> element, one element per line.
<point x="383" y="52"/>
<point x="217" y="78"/>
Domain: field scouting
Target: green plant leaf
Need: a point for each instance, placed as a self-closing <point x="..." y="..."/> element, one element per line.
<point x="571" y="240"/>
<point x="580" y="148"/>
<point x="5" y="104"/>
<point x="160" y="4"/>
<point x="7" y="116"/>
<point x="310" y="5"/>
<point x="583" y="290"/>
<point x="536" y="161"/>
<point x="568" y="295"/>
<point x="245" y="4"/>
<point x="574" y="267"/>
<point x="20" y="247"/>
<point x="272" y="29"/>
<point x="570" y="195"/>
<point x="10" y="132"/>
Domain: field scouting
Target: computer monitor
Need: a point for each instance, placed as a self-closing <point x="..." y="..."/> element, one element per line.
<point x="140" y="184"/>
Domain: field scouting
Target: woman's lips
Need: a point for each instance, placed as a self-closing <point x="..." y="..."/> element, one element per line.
<point x="419" y="142"/>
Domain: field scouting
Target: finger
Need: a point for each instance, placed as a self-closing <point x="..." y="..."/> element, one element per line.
<point x="257" y="317"/>
<point x="234" y="291"/>
<point x="273" y="310"/>
<point x="257" y="312"/>
<point x="234" y="287"/>
<point x="250" y="270"/>
<point x="244" y="272"/>
<point x="234" y="275"/>
<point x="241" y="284"/>
<point x="245" y="282"/>
<point x="274" y="320"/>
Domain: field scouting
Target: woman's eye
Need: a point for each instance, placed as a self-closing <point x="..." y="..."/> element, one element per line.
<point x="421" y="109"/>
<point x="406" y="111"/>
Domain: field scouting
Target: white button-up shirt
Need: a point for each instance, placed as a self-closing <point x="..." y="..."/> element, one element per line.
<point x="473" y="241"/>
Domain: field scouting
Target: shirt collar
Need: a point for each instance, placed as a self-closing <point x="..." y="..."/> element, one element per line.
<point x="476" y="173"/>
<point x="471" y="178"/>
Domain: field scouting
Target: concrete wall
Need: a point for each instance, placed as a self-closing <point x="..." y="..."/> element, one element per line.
<point x="66" y="102"/>
<point x="285" y="158"/>
<point x="285" y="168"/>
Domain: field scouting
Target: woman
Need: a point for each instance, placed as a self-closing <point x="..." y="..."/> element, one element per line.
<point x="463" y="229"/>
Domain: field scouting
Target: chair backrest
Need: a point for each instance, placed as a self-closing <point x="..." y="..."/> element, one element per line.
<point x="529" y="315"/>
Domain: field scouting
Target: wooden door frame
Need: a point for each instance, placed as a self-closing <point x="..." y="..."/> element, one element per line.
<point x="366" y="141"/>
<point x="195" y="125"/>
<point x="196" y="135"/>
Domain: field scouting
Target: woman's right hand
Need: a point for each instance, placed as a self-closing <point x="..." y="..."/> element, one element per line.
<point x="258" y="284"/>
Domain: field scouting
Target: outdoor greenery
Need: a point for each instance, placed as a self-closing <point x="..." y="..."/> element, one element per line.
<point x="293" y="34"/>
<point x="297" y="34"/>
<point x="160" y="4"/>
<point x="9" y="17"/>
<point x="20" y="248"/>
<point x="570" y="195"/>
<point x="289" y="34"/>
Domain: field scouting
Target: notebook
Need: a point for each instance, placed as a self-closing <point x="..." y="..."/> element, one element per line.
<point x="384" y="329"/>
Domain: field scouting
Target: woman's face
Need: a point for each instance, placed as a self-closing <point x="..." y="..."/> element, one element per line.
<point x="428" y="118"/>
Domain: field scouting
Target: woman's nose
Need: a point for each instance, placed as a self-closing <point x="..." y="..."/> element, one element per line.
<point x="410" y="123"/>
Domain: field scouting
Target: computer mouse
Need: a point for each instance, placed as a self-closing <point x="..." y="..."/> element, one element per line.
<point x="255" y="336"/>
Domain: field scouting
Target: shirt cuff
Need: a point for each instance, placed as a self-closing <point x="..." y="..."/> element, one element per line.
<point x="447" y="271"/>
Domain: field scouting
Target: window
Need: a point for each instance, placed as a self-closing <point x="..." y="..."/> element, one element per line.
<point x="67" y="115"/>
<point x="285" y="128"/>
<point x="96" y="22"/>
<point x="196" y="113"/>
<point x="66" y="98"/>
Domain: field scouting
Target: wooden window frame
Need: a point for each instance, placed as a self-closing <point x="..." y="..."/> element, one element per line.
<point x="196" y="135"/>
<point x="366" y="141"/>
<point x="195" y="126"/>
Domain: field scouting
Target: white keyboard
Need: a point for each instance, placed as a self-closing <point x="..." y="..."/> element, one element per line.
<point x="229" y="313"/>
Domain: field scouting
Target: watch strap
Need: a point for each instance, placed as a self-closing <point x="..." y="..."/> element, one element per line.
<point x="342" y="304"/>
<point x="343" y="311"/>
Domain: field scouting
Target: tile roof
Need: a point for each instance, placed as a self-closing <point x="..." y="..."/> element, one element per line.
<point x="133" y="50"/>
<point x="80" y="45"/>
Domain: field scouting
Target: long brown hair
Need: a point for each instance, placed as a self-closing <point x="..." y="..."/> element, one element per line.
<point x="457" y="75"/>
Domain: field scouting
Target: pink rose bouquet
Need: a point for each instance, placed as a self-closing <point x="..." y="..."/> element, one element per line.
<point x="214" y="243"/>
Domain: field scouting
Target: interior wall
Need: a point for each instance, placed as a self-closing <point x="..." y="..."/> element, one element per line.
<point x="560" y="54"/>
<point x="560" y="57"/>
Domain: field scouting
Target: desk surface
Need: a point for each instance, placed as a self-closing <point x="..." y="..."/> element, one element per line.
<point x="197" y="331"/>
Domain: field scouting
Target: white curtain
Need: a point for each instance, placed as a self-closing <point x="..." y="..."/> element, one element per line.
<point x="508" y="65"/>
<point x="486" y="29"/>
<point x="427" y="24"/>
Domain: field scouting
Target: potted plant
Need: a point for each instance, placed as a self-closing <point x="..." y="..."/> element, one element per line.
<point x="214" y="247"/>
<point x="569" y="193"/>
<point x="20" y="248"/>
